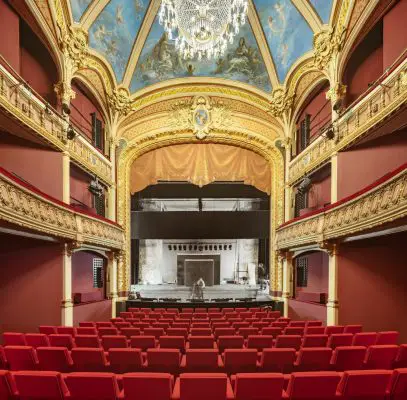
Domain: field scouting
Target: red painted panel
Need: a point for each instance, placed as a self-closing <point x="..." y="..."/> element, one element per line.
<point x="99" y="311"/>
<point x="372" y="284"/>
<point x="41" y="167"/>
<point x="317" y="273"/>
<point x="320" y="193"/>
<point x="10" y="34"/>
<point x="79" y="188"/>
<point x="394" y="41"/>
<point x="30" y="284"/>
<point x="300" y="310"/>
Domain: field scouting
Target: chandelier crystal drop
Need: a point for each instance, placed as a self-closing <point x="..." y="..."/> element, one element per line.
<point x="202" y="28"/>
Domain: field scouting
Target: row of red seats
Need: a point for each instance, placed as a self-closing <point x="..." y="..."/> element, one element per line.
<point x="354" y="385"/>
<point x="203" y="360"/>
<point x="224" y="310"/>
<point x="198" y="315"/>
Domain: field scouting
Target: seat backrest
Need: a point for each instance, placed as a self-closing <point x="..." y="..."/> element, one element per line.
<point x="14" y="339"/>
<point x="315" y="330"/>
<point x="125" y="360"/>
<point x="230" y="342"/>
<point x="329" y="330"/>
<point x="223" y="332"/>
<point x="364" y="385"/>
<point x="103" y="324"/>
<point x="314" y="323"/>
<point x="398" y="384"/>
<point x="44" y="385"/>
<point x="36" y="340"/>
<point x="294" y="330"/>
<point x="246" y="332"/>
<point x="401" y="359"/>
<point x="142" y="342"/>
<point x="274" y="314"/>
<point x="348" y="358"/>
<point x="203" y="386"/>
<point x="89" y="386"/>
<point x="62" y="340"/>
<point x="340" y="339"/>
<point x="86" y="330"/>
<point x="172" y="342"/>
<point x="353" y="329"/>
<point x="364" y="339"/>
<point x="54" y="359"/>
<point x="381" y="356"/>
<point x="163" y="357"/>
<point x="240" y="360"/>
<point x="126" y="314"/>
<point x="156" y="332"/>
<point x="201" y="358"/>
<point x="255" y="386"/>
<point x="7" y="386"/>
<point x="388" y="337"/>
<point x="200" y="332"/>
<point x="21" y="358"/>
<point x="177" y="332"/>
<point x="272" y="331"/>
<point x="297" y="323"/>
<point x="291" y="341"/>
<point x="313" y="385"/>
<point x="115" y="341"/>
<point x="277" y="360"/>
<point x="89" y="359"/>
<point x="66" y="330"/>
<point x="201" y="342"/>
<point x="259" y="342"/>
<point x="47" y="329"/>
<point x="314" y="359"/>
<point x="87" y="341"/>
<point x="107" y="331"/>
<point x="87" y="324"/>
<point x="315" y="341"/>
<point x="129" y="332"/>
<point x="147" y="386"/>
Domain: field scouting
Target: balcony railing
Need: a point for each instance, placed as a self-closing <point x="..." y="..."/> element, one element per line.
<point x="25" y="206"/>
<point x="366" y="114"/>
<point x="19" y="101"/>
<point x="382" y="202"/>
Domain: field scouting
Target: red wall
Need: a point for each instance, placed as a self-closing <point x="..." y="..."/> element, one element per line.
<point x="320" y="193"/>
<point x="41" y="167"/>
<point x="300" y="310"/>
<point x="372" y="284"/>
<point x="9" y="28"/>
<point x="30" y="283"/>
<point x="79" y="187"/>
<point x="99" y="311"/>
<point x="394" y="33"/>
<point x="379" y="157"/>
<point x="317" y="273"/>
<point x="82" y="273"/>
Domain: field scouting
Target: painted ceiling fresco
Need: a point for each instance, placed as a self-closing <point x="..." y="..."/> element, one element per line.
<point x="116" y="27"/>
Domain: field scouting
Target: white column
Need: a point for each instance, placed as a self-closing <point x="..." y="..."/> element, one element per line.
<point x="287" y="261"/>
<point x="334" y="178"/>
<point x="112" y="270"/>
<point x="332" y="304"/>
<point x="66" y="178"/>
<point x="67" y="304"/>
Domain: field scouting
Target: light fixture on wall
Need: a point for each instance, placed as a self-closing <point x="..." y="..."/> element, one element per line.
<point x="95" y="187"/>
<point x="70" y="133"/>
<point x="66" y="109"/>
<point x="304" y="185"/>
<point x="328" y="132"/>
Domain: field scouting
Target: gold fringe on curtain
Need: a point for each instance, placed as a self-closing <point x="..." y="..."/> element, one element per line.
<point x="201" y="164"/>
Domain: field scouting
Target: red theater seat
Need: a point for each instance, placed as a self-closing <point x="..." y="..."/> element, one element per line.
<point x="294" y="330"/>
<point x="348" y="358"/>
<point x="329" y="330"/>
<point x="314" y="323"/>
<point x="89" y="359"/>
<point x="21" y="358"/>
<point x="106" y="331"/>
<point x="246" y="332"/>
<point x="315" y="330"/>
<point x="112" y="342"/>
<point x="87" y="341"/>
<point x="340" y="339"/>
<point x="86" y="324"/>
<point x="223" y="332"/>
<point x="147" y="386"/>
<point x="401" y="359"/>
<point x="364" y="339"/>
<point x="277" y="360"/>
<point x="40" y="385"/>
<point x="47" y="329"/>
<point x="380" y="356"/>
<point x="62" y="340"/>
<point x="240" y="360"/>
<point x="201" y="360"/>
<point x="163" y="360"/>
<point x="364" y="385"/>
<point x="253" y="386"/>
<point x="143" y="342"/>
<point x="36" y="340"/>
<point x="126" y="314"/>
<point x="203" y="386"/>
<point x="289" y="341"/>
<point x="125" y="360"/>
<point x="298" y="324"/>
<point x="86" y="330"/>
<point x="121" y="325"/>
<point x="230" y="342"/>
<point x="315" y="341"/>
<point x="200" y="332"/>
<point x="259" y="342"/>
<point x="353" y="329"/>
<point x="8" y="390"/>
<point x="177" y="332"/>
<point x="201" y="342"/>
<point x="54" y="359"/>
<point x="313" y="359"/>
<point x="272" y="331"/>
<point x="92" y="386"/>
<point x="398" y="385"/>
<point x="172" y="342"/>
<point x="66" y="330"/>
<point x="312" y="386"/>
<point x="129" y="332"/>
<point x="14" y="339"/>
<point x="389" y="337"/>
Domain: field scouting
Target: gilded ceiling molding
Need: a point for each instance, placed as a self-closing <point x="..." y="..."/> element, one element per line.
<point x="140" y="41"/>
<point x="46" y="16"/>
<point x="262" y="43"/>
<point x="309" y="13"/>
<point x="91" y="13"/>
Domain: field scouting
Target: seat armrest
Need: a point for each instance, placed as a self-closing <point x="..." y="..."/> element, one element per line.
<point x="176" y="393"/>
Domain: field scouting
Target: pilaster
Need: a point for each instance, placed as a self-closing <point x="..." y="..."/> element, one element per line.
<point x="66" y="177"/>
<point x="286" y="259"/>
<point x="67" y="303"/>
<point x="334" y="178"/>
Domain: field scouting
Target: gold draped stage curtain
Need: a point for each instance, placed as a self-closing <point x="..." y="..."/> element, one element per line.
<point x="201" y="164"/>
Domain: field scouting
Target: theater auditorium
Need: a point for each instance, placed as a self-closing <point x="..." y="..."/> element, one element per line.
<point x="203" y="200"/>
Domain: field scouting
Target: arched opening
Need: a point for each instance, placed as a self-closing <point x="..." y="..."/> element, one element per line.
<point x="196" y="209"/>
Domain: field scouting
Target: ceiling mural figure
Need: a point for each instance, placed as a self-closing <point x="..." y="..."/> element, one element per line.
<point x="287" y="33"/>
<point x="159" y="61"/>
<point x="78" y="7"/>
<point x="115" y="30"/>
<point x="323" y="9"/>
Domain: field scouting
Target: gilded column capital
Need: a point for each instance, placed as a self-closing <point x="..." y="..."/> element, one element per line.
<point x="120" y="102"/>
<point x="281" y="103"/>
<point x="327" y="44"/>
<point x="74" y="45"/>
<point x="64" y="92"/>
<point x="331" y="247"/>
<point x="70" y="247"/>
<point x="336" y="92"/>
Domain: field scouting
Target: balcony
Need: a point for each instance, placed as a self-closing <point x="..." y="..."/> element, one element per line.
<point x="378" y="204"/>
<point x="367" y="114"/>
<point x="29" y="110"/>
<point x="25" y="206"/>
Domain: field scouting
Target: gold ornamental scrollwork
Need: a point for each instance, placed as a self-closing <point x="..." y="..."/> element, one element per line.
<point x="281" y="103"/>
<point x="327" y="44"/>
<point x="119" y="101"/>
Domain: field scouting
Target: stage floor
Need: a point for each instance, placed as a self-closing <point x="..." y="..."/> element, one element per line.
<point x="210" y="292"/>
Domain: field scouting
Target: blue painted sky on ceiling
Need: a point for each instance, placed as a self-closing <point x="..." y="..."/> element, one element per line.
<point x="115" y="30"/>
<point x="78" y="7"/>
<point x="159" y="61"/>
<point x="323" y="8"/>
<point x="287" y="32"/>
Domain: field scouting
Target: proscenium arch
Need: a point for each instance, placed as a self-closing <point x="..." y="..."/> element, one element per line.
<point x="136" y="148"/>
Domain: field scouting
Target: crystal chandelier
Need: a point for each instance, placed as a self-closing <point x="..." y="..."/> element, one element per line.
<point x="202" y="28"/>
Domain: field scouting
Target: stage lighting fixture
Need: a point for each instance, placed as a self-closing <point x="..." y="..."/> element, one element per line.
<point x="195" y="248"/>
<point x="200" y="248"/>
<point x="70" y="133"/>
<point x="230" y="247"/>
<point x="337" y="107"/>
<point x="210" y="247"/>
<point x="206" y="248"/>
<point x="184" y="247"/>
<point x="179" y="247"/>
<point x="215" y="247"/>
<point x="190" y="247"/>
<point x="225" y="247"/>
<point x="304" y="185"/>
<point x="169" y="247"/>
<point x="328" y="132"/>
<point x="95" y="188"/>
